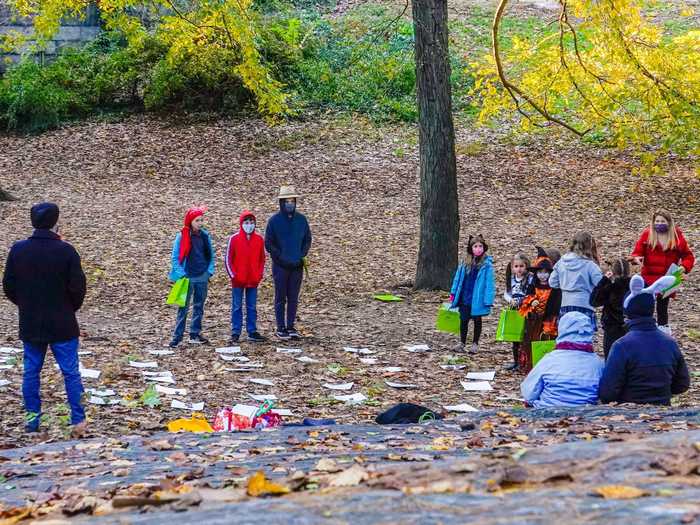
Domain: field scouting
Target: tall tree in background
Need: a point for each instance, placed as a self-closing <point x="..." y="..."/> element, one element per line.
<point x="439" y="209"/>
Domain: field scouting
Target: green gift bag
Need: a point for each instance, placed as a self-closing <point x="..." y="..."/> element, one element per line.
<point x="178" y="293"/>
<point x="540" y="348"/>
<point x="447" y="319"/>
<point x="511" y="326"/>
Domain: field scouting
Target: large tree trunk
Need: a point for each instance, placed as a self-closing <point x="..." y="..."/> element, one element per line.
<point x="439" y="209"/>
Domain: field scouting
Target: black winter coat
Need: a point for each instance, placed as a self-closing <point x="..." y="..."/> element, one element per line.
<point x="610" y="295"/>
<point x="44" y="278"/>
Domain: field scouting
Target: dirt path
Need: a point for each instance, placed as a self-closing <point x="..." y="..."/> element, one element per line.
<point x="123" y="189"/>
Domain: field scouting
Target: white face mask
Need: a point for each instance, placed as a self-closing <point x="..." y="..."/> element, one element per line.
<point x="249" y="227"/>
<point x="543" y="276"/>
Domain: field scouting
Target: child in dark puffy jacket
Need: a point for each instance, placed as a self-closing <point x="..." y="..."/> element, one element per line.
<point x="610" y="293"/>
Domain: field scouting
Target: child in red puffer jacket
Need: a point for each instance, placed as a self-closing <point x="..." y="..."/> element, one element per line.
<point x="245" y="263"/>
<point x="661" y="245"/>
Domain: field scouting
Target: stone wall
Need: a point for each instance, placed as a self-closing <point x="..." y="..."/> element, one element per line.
<point x="71" y="33"/>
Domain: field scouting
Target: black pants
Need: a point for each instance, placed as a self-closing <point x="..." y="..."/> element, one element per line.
<point x="662" y="311"/>
<point x="465" y="314"/>
<point x="610" y="335"/>
<point x="516" y="353"/>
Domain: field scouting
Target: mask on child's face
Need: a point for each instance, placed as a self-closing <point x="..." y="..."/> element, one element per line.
<point x="543" y="275"/>
<point x="477" y="250"/>
<point x="248" y="227"/>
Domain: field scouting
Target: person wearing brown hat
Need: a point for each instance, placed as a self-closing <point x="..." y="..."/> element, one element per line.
<point x="44" y="278"/>
<point x="288" y="240"/>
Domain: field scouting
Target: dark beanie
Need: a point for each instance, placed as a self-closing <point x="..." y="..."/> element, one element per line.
<point x="44" y="215"/>
<point x="641" y="305"/>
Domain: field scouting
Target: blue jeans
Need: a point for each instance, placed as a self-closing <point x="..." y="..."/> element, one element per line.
<point x="287" y="288"/>
<point x="197" y="294"/>
<point x="251" y="313"/>
<point x="66" y="355"/>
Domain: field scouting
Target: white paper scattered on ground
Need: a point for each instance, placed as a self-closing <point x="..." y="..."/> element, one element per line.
<point x="9" y="350"/>
<point x="143" y="364"/>
<point x="282" y="411"/>
<point x="229" y="350"/>
<point x="187" y="406"/>
<point x="464" y="407"/>
<point x="161" y="352"/>
<point x="244" y="368"/>
<point x="228" y="357"/>
<point x="368" y="360"/>
<point x="4" y="382"/>
<point x="96" y="400"/>
<point x="417" y="348"/>
<point x="399" y="385"/>
<point x="248" y="411"/>
<point x="476" y="386"/>
<point x="362" y="351"/>
<point x="392" y="369"/>
<point x="263" y="397"/>
<point x="510" y="398"/>
<point x="453" y="367"/>
<point x="101" y="393"/>
<point x="89" y="373"/>
<point x="264" y="382"/>
<point x="6" y="367"/>
<point x="339" y="386"/>
<point x="151" y="373"/>
<point x="84" y="352"/>
<point x="289" y="350"/>
<point x="481" y="376"/>
<point x="171" y="391"/>
<point x="306" y="359"/>
<point x="161" y="379"/>
<point x="351" y="398"/>
<point x="240" y="358"/>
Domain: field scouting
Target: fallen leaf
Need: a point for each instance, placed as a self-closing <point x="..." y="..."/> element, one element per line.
<point x="349" y="477"/>
<point x="619" y="492"/>
<point x="259" y="486"/>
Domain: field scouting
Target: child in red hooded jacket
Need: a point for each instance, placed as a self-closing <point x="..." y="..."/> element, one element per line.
<point x="245" y="263"/>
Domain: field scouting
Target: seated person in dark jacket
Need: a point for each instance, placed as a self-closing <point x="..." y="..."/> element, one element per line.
<point x="645" y="366"/>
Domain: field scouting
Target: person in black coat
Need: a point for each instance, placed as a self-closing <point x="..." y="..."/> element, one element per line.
<point x="645" y="366"/>
<point x="44" y="278"/>
<point x="610" y="293"/>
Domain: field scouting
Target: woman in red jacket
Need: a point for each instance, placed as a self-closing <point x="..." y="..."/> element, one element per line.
<point x="661" y="245"/>
<point x="245" y="262"/>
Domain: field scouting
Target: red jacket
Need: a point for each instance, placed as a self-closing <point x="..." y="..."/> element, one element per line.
<point x="657" y="261"/>
<point x="245" y="258"/>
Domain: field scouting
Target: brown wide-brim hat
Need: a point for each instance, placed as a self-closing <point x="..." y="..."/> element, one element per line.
<point x="288" y="192"/>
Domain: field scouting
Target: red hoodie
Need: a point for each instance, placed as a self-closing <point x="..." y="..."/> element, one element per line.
<point x="245" y="258"/>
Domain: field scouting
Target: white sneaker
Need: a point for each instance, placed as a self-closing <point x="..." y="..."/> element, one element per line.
<point x="474" y="348"/>
<point x="666" y="329"/>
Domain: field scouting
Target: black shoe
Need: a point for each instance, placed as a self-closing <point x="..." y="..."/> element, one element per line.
<point x="32" y="423"/>
<point x="511" y="367"/>
<point x="235" y="338"/>
<point x="198" y="340"/>
<point x="283" y="334"/>
<point x="255" y="337"/>
<point x="293" y="334"/>
<point x="173" y="343"/>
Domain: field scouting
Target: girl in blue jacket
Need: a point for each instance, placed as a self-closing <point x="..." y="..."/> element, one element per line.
<point x="473" y="290"/>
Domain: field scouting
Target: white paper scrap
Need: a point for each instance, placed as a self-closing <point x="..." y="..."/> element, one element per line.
<point x="152" y="373"/>
<point x="6" y="367"/>
<point x="306" y="359"/>
<point x="89" y="373"/>
<point x="399" y="385"/>
<point x="187" y="406"/>
<point x="463" y="407"/>
<point x="263" y="397"/>
<point x="96" y="400"/>
<point x="392" y="369"/>
<point x="84" y="352"/>
<point x="228" y="357"/>
<point x="161" y="352"/>
<point x="9" y="350"/>
<point x="481" y="376"/>
<point x="101" y="393"/>
<point x="248" y="411"/>
<point x="352" y="398"/>
<point x="363" y="351"/>
<point x="417" y="348"/>
<point x="264" y="382"/>
<point x="282" y="411"/>
<point x="453" y="367"/>
<point x="143" y="364"/>
<point x="171" y="391"/>
<point x="368" y="360"/>
<point x="340" y="386"/>
<point x="244" y="368"/>
<point x="229" y="350"/>
<point x="289" y="350"/>
<point x="476" y="386"/>
<point x="161" y="379"/>
<point x="4" y="382"/>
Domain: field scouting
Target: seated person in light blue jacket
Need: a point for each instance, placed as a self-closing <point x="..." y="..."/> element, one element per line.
<point x="570" y="374"/>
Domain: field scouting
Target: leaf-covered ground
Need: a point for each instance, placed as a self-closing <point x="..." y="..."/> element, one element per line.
<point x="123" y="189"/>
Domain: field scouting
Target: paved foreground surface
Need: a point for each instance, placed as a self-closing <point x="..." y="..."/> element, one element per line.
<point x="595" y="464"/>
